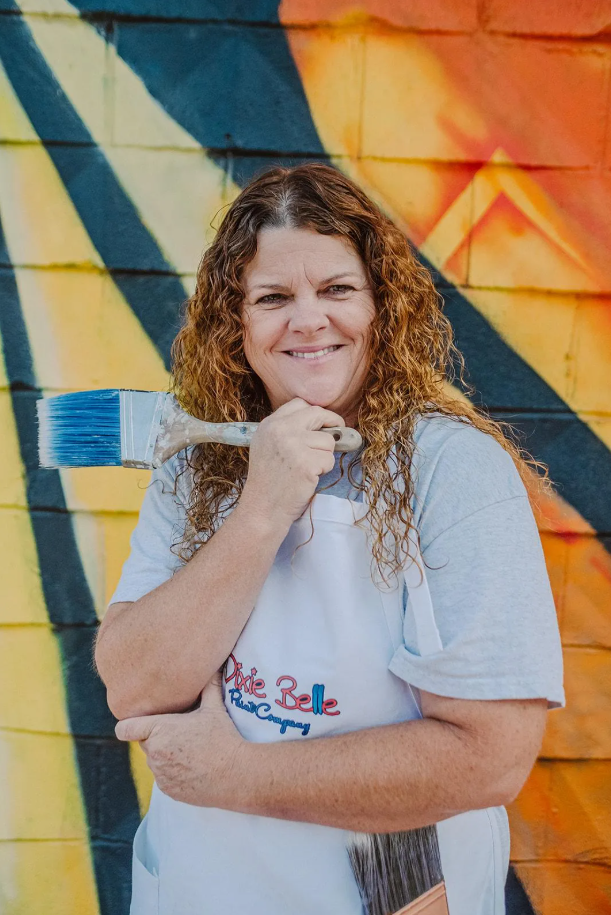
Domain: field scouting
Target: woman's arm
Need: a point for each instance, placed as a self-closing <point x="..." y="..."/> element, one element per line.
<point x="464" y="755"/>
<point x="154" y="654"/>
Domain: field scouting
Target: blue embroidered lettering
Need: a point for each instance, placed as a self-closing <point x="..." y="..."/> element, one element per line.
<point x="262" y="712"/>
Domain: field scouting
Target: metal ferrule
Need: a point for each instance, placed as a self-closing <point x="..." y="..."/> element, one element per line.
<point x="141" y="413"/>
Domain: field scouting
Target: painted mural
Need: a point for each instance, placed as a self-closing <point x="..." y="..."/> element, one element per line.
<point x="482" y="127"/>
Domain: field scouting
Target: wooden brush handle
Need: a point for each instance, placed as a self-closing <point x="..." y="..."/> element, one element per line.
<point x="178" y="430"/>
<point x="346" y="439"/>
<point x="433" y="902"/>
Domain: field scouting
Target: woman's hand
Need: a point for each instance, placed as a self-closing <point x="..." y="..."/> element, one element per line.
<point x="288" y="453"/>
<point x="192" y="755"/>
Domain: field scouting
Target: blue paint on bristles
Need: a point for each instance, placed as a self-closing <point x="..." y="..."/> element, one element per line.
<point x="80" y="430"/>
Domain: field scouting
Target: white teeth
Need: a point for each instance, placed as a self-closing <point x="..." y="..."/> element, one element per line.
<point x="320" y="352"/>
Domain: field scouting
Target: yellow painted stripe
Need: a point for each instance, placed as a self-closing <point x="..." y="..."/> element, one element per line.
<point x="12" y="491"/>
<point x="15" y="126"/>
<point x="40" y="798"/>
<point x="103" y="539"/>
<point x="83" y="335"/>
<point x="45" y="800"/>
<point x="34" y="698"/>
<point x="22" y="602"/>
<point x="175" y="187"/>
<point x="143" y="777"/>
<point x="27" y="192"/>
<point x="45" y="878"/>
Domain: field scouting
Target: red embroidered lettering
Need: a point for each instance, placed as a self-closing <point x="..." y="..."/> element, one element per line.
<point x="236" y="668"/>
<point x="248" y="684"/>
<point x="302" y="702"/>
<point x="256" y="686"/>
<point x="287" y="692"/>
<point x="329" y="704"/>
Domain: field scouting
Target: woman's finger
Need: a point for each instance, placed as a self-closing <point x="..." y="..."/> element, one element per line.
<point x="212" y="694"/>
<point x="217" y="678"/>
<point x="322" y="440"/>
<point x="292" y="406"/>
<point x="136" y="728"/>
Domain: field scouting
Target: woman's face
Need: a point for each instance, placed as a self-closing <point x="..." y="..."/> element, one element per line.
<point x="305" y="292"/>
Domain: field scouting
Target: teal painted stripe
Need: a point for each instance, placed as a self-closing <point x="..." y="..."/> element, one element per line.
<point x="108" y="791"/>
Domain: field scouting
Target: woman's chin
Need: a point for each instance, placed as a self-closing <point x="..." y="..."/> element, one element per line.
<point x="319" y="398"/>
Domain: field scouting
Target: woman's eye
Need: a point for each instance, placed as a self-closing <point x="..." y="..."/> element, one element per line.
<point x="338" y="288"/>
<point x="271" y="299"/>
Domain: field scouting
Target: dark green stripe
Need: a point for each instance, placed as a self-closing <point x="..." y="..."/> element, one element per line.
<point x="579" y="462"/>
<point x="109" y="794"/>
<point x="108" y="214"/>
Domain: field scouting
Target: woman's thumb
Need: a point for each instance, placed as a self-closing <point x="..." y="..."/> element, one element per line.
<point x="212" y="694"/>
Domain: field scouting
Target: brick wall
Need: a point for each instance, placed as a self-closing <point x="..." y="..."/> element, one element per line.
<point x="481" y="126"/>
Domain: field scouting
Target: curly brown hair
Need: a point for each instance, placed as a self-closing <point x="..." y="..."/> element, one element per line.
<point x="412" y="358"/>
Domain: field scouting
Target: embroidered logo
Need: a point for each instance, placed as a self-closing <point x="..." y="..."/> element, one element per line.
<point x="290" y="698"/>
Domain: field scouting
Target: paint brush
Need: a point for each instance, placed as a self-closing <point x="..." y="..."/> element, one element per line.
<point x="117" y="427"/>
<point x="399" y="873"/>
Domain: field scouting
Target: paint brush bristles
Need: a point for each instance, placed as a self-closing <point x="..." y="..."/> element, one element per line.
<point x="394" y="869"/>
<point x="80" y="430"/>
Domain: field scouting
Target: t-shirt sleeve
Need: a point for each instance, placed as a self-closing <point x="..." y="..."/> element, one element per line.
<point x="160" y="525"/>
<point x="488" y="580"/>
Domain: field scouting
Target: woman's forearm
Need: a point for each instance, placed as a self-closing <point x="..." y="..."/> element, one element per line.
<point x="463" y="755"/>
<point x="385" y="779"/>
<point x="157" y="654"/>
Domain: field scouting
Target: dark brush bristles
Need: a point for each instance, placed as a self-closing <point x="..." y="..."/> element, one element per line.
<point x="80" y="430"/>
<point x="393" y="869"/>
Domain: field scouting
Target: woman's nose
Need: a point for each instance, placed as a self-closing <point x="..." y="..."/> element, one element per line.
<point x="308" y="314"/>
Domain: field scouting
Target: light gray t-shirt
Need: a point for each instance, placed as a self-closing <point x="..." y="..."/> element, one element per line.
<point x="484" y="564"/>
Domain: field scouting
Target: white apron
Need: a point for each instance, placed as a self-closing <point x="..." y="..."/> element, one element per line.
<point x="312" y="660"/>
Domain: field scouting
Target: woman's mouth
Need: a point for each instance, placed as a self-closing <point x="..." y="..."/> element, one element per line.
<point x="317" y="356"/>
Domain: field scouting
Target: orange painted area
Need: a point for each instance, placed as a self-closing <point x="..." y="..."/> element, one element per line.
<point x="560" y="827"/>
<point x="579" y="567"/>
<point x="422" y="14"/>
<point x="536" y="259"/>
<point x="492" y="153"/>
<point x="420" y="191"/>
<point x="566" y="889"/>
<point x="581" y="730"/>
<point x="548" y="17"/>
<point x="461" y="99"/>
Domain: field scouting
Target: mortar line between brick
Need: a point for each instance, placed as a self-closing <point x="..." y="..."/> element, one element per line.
<point x="371" y="24"/>
<point x="68" y="735"/>
<point x="246" y="153"/>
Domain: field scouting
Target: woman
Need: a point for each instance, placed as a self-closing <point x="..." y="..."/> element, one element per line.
<point x="339" y="706"/>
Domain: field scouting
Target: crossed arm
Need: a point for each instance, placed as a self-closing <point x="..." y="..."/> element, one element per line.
<point x="462" y="755"/>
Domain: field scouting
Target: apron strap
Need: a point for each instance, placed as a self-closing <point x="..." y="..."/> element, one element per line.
<point x="419" y="604"/>
<point x="419" y="600"/>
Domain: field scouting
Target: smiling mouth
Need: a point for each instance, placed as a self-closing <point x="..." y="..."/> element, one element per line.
<point x="320" y="356"/>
